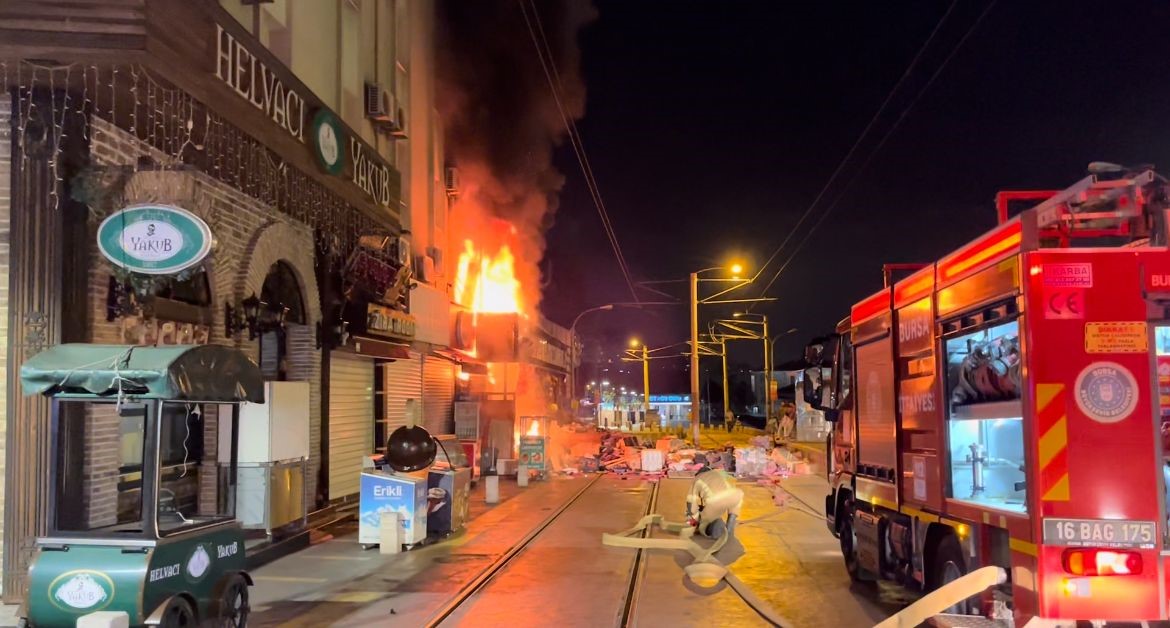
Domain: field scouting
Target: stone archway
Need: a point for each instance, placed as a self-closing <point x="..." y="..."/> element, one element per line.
<point x="276" y="242"/>
<point x="281" y="242"/>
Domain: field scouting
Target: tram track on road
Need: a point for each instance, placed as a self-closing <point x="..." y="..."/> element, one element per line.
<point x="469" y="590"/>
<point x="638" y="570"/>
<point x="465" y="599"/>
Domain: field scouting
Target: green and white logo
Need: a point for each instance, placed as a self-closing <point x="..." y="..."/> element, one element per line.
<point x="154" y="239"/>
<point x="327" y="140"/>
<point x="198" y="563"/>
<point x="81" y="590"/>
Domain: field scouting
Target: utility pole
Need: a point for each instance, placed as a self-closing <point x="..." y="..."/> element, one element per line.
<point x="767" y="374"/>
<point x="645" y="382"/>
<point x="695" y="357"/>
<point x="726" y="390"/>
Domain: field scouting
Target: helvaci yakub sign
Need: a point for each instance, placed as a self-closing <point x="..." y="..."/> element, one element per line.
<point x="154" y="239"/>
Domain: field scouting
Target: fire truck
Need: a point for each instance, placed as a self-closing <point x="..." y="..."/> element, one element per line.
<point x="1007" y="406"/>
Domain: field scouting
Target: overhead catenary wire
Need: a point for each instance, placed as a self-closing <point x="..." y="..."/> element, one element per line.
<point x="857" y="143"/>
<point x="544" y="55"/>
<point x="889" y="133"/>
<point x="860" y="138"/>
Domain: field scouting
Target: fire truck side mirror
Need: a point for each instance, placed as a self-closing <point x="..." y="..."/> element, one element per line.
<point x="813" y="387"/>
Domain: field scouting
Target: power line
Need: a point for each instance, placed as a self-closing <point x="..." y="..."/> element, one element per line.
<point x="544" y="54"/>
<point x="860" y="138"/>
<point x="889" y="133"/>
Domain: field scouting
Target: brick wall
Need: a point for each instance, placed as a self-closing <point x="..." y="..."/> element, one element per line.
<point x="5" y="215"/>
<point x="250" y="237"/>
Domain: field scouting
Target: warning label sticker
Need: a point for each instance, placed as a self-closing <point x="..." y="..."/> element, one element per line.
<point x="1119" y="337"/>
<point x="1068" y="275"/>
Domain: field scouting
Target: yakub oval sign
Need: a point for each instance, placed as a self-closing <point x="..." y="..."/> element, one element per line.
<point x="154" y="239"/>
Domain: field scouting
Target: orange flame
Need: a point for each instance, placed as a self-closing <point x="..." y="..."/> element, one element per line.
<point x="534" y="429"/>
<point x="494" y="287"/>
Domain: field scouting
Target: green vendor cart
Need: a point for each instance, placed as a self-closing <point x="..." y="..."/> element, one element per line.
<point x="140" y="513"/>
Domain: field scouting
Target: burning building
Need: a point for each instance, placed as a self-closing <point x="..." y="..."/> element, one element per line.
<point x="523" y="357"/>
<point x="501" y="124"/>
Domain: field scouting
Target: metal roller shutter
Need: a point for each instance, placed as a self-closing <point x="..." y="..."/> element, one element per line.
<point x="403" y="381"/>
<point x="438" y="395"/>
<point x="351" y="420"/>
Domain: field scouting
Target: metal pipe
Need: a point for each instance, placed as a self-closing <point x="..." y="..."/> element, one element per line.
<point x="1004" y="197"/>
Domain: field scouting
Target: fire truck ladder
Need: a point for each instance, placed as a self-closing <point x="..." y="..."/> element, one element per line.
<point x="1094" y="207"/>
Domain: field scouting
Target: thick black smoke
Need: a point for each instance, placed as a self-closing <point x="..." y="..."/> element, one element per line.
<point x="501" y="121"/>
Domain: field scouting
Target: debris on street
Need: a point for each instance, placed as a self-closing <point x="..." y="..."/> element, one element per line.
<point x="622" y="453"/>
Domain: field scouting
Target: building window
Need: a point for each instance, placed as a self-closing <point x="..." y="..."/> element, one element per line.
<point x="281" y="290"/>
<point x="195" y="290"/>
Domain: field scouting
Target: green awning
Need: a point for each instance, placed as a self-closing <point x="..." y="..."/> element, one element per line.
<point x="180" y="372"/>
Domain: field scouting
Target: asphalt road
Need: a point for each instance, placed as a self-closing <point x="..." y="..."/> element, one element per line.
<point x="566" y="577"/>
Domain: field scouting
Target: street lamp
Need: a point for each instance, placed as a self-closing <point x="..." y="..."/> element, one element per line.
<point x="778" y="337"/>
<point x="573" y="351"/>
<point x="768" y="359"/>
<point x="735" y="270"/>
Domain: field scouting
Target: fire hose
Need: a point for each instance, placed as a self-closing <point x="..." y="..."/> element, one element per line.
<point x="945" y="597"/>
<point x="705" y="570"/>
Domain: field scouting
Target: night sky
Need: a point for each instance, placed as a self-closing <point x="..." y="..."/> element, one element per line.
<point x="712" y="126"/>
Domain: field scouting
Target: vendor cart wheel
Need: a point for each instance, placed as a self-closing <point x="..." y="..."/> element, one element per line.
<point x="178" y="614"/>
<point x="233" y="603"/>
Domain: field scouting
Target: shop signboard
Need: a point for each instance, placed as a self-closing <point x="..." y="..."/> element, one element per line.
<point x="532" y="452"/>
<point x="255" y="82"/>
<point x="384" y="321"/>
<point x="154" y="239"/>
<point x="383" y="492"/>
<point x="275" y="91"/>
<point x="327" y="142"/>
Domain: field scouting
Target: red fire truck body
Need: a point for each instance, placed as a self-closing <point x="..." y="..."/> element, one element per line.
<point x="1004" y="406"/>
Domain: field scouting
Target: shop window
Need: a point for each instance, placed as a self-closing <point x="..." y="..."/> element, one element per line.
<point x="985" y="427"/>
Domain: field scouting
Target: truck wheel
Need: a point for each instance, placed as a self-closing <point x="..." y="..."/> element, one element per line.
<point x="233" y="603"/>
<point x="178" y="614"/>
<point x="948" y="566"/>
<point x="849" y="542"/>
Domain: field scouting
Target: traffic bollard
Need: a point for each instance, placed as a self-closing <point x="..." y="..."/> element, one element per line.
<point x="492" y="489"/>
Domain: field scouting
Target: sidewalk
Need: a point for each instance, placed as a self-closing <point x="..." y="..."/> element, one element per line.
<point x="338" y="583"/>
<point x="312" y="573"/>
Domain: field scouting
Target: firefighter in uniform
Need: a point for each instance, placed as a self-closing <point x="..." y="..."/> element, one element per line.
<point x="713" y="498"/>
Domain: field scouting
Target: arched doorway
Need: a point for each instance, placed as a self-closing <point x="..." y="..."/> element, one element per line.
<point x="282" y="305"/>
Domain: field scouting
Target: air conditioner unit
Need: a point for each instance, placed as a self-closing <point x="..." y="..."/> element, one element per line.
<point x="451" y="179"/>
<point x="379" y="103"/>
<point x="403" y="251"/>
<point x="424" y="268"/>
<point x="382" y="108"/>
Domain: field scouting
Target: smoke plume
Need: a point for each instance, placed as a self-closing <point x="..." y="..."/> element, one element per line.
<point x="502" y="123"/>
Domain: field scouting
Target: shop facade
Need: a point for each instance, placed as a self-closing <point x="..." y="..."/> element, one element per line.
<point x="302" y="190"/>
